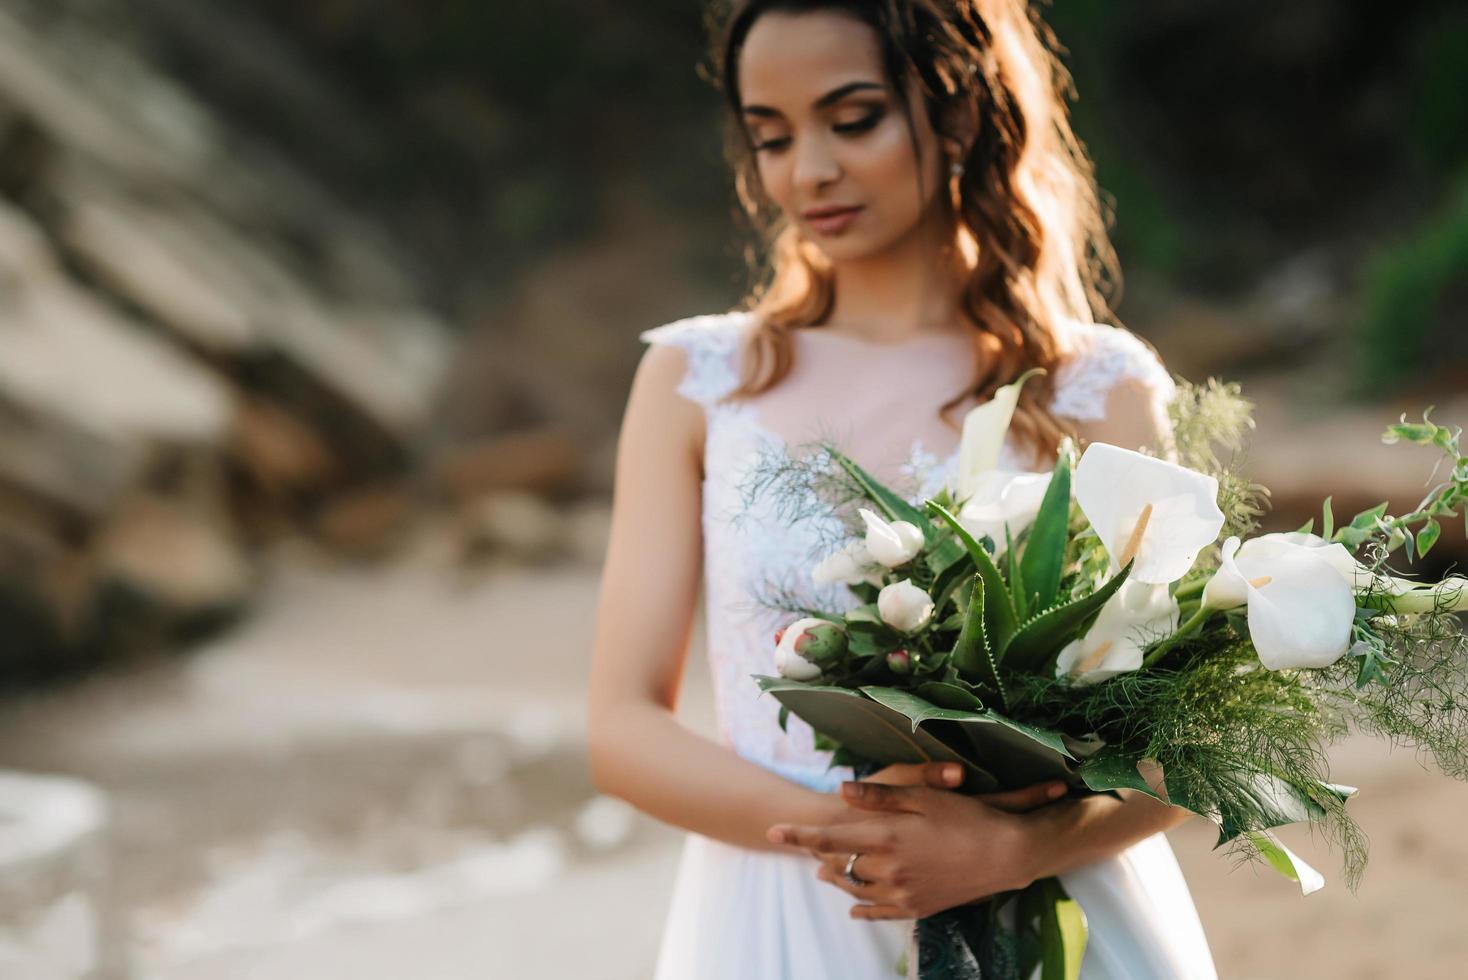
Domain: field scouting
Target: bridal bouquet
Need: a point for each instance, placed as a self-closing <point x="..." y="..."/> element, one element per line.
<point x="1116" y="611"/>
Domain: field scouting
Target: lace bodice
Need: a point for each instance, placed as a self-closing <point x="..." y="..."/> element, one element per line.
<point x="879" y="404"/>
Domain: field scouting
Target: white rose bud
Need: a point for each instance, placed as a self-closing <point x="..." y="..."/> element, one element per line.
<point x="894" y="543"/>
<point x="849" y="566"/>
<point x="904" y="606"/>
<point x="788" y="660"/>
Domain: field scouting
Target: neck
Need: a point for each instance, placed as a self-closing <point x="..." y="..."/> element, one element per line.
<point x="910" y="289"/>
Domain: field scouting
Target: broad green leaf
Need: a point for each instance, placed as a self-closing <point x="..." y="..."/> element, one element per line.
<point x="1016" y="753"/>
<point x="1063" y="933"/>
<point x="999" y="618"/>
<point x="866" y="728"/>
<point x="1045" y="549"/>
<point x="1115" y="768"/>
<point x="1037" y="641"/>
<point x="946" y="695"/>
<point x="891" y="504"/>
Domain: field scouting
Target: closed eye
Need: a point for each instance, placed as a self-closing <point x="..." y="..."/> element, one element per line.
<point x="861" y="125"/>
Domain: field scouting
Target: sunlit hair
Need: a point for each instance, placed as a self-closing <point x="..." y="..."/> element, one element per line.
<point x="1027" y="213"/>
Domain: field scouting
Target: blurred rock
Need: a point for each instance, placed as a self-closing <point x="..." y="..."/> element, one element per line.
<point x="200" y="349"/>
<point x="543" y="461"/>
<point x="519" y="525"/>
<point x="370" y="522"/>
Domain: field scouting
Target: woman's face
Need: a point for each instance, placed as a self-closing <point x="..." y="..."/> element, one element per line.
<point x="828" y="132"/>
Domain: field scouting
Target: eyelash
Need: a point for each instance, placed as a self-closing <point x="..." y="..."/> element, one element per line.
<point x="853" y="128"/>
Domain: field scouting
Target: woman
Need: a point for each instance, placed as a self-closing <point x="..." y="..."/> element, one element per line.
<point x="933" y="231"/>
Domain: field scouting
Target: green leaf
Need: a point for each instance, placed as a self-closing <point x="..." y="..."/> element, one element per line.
<point x="948" y="551"/>
<point x="1045" y="549"/>
<point x="1327" y="520"/>
<point x="1063" y="933"/>
<point x="1259" y="801"/>
<point x="1281" y="859"/>
<point x="999" y="619"/>
<point x="1366" y="520"/>
<point x="1307" y="528"/>
<point x="1016" y="753"/>
<point x="894" y="506"/>
<point x="946" y="695"/>
<point x="1037" y="641"/>
<point x="953" y="622"/>
<point x="950" y="577"/>
<point x="1018" y="594"/>
<point x="864" y="644"/>
<point x="972" y="655"/>
<point x="784" y="717"/>
<point x="866" y="728"/>
<point x="1427" y="536"/>
<point x="1115" y="768"/>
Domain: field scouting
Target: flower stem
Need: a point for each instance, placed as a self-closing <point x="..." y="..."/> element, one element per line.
<point x="1447" y="596"/>
<point x="1186" y="629"/>
<point x="1193" y="588"/>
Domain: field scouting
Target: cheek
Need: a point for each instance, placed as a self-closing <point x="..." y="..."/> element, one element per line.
<point x="886" y="161"/>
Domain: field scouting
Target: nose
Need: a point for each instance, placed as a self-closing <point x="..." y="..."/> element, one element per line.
<point x="815" y="164"/>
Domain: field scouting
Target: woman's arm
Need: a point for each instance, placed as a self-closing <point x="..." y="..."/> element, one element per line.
<point x="649" y="588"/>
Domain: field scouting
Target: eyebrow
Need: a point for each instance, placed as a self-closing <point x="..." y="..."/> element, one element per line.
<point x="835" y="95"/>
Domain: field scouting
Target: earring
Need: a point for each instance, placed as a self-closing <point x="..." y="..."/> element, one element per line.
<point x="956" y="168"/>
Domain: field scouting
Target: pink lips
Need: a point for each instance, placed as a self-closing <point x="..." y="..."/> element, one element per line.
<point x="831" y="221"/>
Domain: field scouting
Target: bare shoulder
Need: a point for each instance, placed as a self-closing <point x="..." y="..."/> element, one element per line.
<point x="656" y="408"/>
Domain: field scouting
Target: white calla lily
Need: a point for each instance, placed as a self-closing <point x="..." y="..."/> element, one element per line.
<point x="790" y="663"/>
<point x="1300" y="607"/>
<point x="984" y="430"/>
<point x="903" y="606"/>
<point x="1339" y="557"/>
<point x="891" y="543"/>
<point x="1158" y="513"/>
<point x="1003" y="497"/>
<point x="850" y="565"/>
<point x="1138" y="614"/>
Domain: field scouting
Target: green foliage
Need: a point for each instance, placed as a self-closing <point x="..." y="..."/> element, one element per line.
<point x="1212" y="727"/>
<point x="1044" y="551"/>
<point x="1405" y="288"/>
<point x="1209" y="422"/>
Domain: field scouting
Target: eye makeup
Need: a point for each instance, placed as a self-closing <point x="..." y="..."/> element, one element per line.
<point x="855" y="127"/>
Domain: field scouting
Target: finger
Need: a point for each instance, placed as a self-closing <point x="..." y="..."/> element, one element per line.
<point x="872" y="888"/>
<point x="941" y="775"/>
<point x="875" y="913"/>
<point x="875" y="796"/>
<point x="865" y="836"/>
<point x="1027" y="798"/>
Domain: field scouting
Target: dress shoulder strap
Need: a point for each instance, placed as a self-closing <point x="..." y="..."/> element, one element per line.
<point x="713" y="344"/>
<point x="1105" y="355"/>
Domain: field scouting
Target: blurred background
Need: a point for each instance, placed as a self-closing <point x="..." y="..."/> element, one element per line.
<point x="316" y="322"/>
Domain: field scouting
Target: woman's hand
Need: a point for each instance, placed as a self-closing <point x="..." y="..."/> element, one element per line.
<point x="923" y="849"/>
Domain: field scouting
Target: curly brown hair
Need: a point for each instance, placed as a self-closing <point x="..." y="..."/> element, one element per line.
<point x="1026" y="210"/>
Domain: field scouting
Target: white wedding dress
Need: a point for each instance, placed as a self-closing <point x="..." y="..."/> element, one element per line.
<point x="739" y="914"/>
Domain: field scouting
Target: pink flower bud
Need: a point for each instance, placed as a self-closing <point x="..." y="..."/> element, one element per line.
<point x="899" y="662"/>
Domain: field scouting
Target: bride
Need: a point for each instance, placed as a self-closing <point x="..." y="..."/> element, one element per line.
<point x="932" y="231"/>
